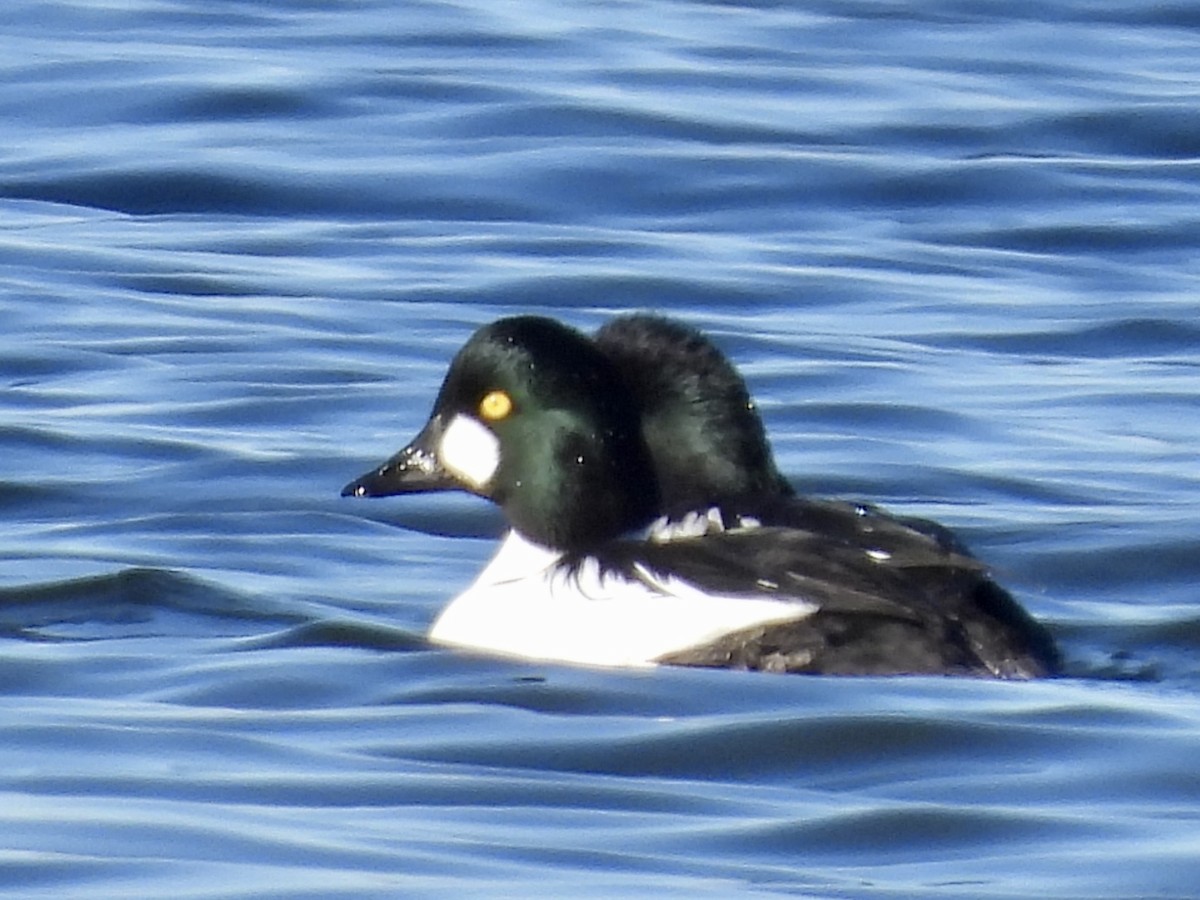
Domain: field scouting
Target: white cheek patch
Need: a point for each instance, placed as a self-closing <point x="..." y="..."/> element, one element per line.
<point x="470" y="451"/>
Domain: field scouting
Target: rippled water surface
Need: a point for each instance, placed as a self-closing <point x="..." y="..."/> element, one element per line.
<point x="955" y="248"/>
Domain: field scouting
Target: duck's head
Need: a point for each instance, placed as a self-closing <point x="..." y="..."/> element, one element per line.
<point x="535" y="418"/>
<point x="699" y="422"/>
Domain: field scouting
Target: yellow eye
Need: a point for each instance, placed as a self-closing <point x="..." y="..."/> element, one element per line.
<point x="495" y="406"/>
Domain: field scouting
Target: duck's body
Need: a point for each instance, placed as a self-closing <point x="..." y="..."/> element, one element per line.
<point x="650" y="524"/>
<point x="536" y="603"/>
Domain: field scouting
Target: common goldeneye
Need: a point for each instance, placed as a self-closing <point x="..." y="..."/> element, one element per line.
<point x="685" y="386"/>
<point x="650" y="524"/>
<point x="704" y="433"/>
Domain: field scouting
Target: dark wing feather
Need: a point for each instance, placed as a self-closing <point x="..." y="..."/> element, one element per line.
<point x="891" y="600"/>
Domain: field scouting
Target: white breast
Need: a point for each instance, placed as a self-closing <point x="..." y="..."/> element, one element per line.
<point x="524" y="604"/>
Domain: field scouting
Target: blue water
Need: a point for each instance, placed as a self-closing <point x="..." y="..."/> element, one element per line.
<point x="955" y="247"/>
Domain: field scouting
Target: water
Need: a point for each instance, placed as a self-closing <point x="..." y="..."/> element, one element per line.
<point x="953" y="247"/>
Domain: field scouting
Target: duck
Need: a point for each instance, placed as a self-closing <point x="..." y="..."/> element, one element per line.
<point x="649" y="524"/>
<point x="706" y="438"/>
<point x="710" y="450"/>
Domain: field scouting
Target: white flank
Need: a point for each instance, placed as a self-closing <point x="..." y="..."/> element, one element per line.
<point x="523" y="604"/>
<point x="469" y="450"/>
